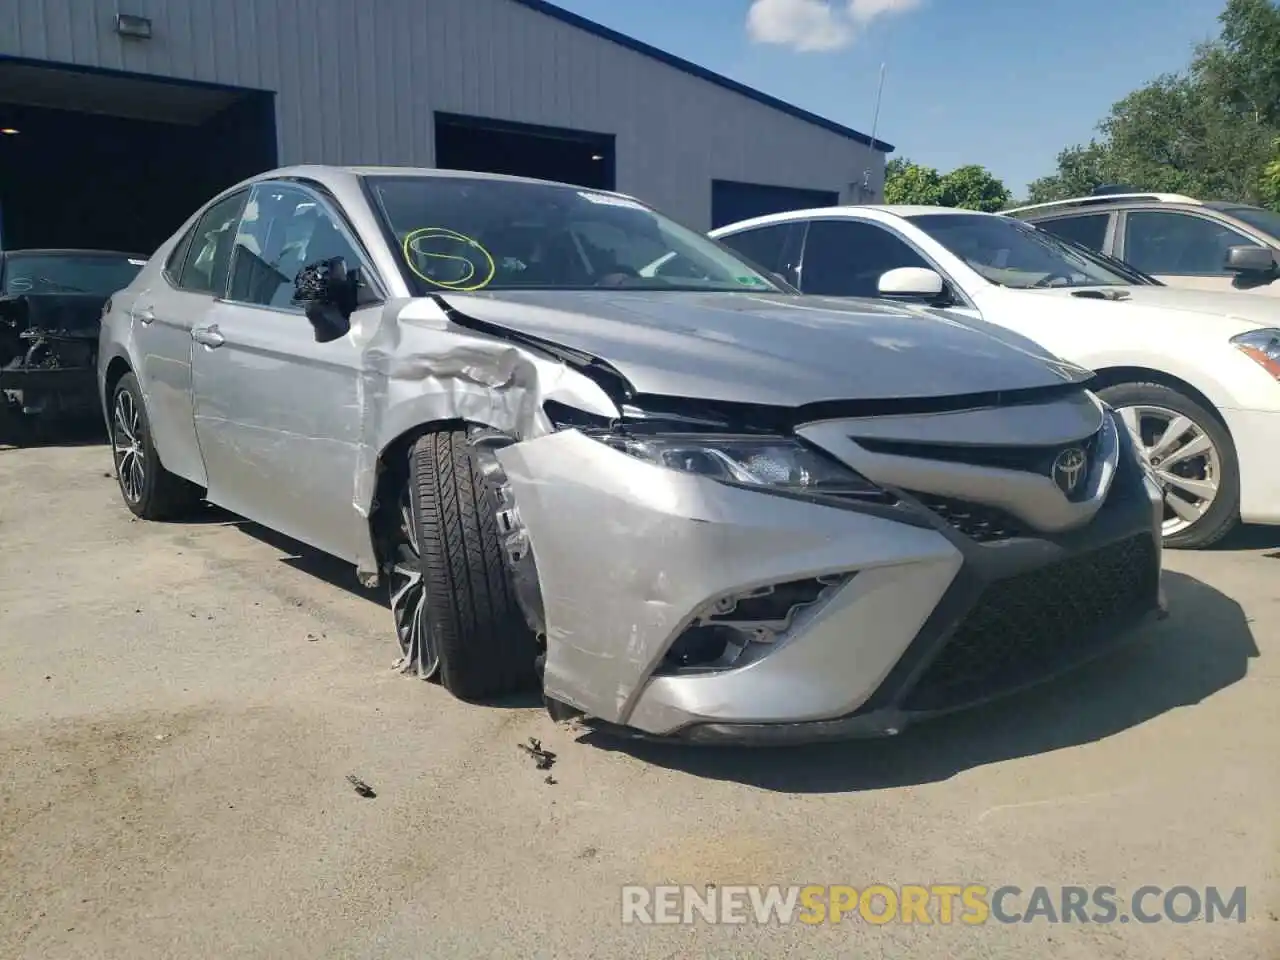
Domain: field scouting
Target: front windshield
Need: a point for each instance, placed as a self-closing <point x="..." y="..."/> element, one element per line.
<point x="1268" y="221"/>
<point x="1016" y="254"/>
<point x="465" y="234"/>
<point x="99" y="274"/>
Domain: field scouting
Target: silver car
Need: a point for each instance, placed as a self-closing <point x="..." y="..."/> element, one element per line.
<point x="587" y="448"/>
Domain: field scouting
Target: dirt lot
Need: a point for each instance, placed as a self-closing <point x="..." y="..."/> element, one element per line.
<point x="180" y="706"/>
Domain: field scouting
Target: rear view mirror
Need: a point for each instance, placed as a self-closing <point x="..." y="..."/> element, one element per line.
<point x="329" y="292"/>
<point x="911" y="283"/>
<point x="1249" y="259"/>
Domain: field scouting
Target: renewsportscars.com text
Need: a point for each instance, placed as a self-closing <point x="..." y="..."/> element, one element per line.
<point x="967" y="904"/>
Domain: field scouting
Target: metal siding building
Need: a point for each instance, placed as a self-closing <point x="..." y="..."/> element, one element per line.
<point x="362" y="82"/>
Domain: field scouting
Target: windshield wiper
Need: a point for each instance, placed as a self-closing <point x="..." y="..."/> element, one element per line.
<point x="1101" y="294"/>
<point x="64" y="287"/>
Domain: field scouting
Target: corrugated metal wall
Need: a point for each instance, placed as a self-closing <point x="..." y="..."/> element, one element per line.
<point x="357" y="81"/>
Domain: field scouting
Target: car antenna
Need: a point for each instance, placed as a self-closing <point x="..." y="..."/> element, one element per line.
<point x="875" y="123"/>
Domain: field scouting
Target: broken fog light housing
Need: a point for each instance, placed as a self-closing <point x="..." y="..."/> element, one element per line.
<point x="737" y="628"/>
<point x="777" y="463"/>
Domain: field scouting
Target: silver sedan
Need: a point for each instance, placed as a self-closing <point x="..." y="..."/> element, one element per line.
<point x="588" y="449"/>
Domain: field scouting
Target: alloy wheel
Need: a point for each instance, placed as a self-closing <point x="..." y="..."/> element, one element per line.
<point x="1182" y="456"/>
<point x="127" y="446"/>
<point x="418" y="648"/>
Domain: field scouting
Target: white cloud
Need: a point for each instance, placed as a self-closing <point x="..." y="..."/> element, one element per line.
<point x="805" y="25"/>
<point x="817" y="25"/>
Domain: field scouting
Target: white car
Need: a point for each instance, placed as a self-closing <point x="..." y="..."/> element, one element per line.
<point x="1194" y="374"/>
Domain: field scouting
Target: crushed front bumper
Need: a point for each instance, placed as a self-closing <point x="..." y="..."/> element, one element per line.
<point x="923" y="612"/>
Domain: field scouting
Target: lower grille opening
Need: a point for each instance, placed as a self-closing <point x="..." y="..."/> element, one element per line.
<point x="977" y="521"/>
<point x="1030" y="626"/>
<point x="732" y="627"/>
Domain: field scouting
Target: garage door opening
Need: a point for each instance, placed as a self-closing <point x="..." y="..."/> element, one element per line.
<point x="732" y="201"/>
<point x="116" y="161"/>
<point x="523" y="150"/>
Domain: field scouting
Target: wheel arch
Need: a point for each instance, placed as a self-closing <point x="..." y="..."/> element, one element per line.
<point x="116" y="370"/>
<point x="389" y="470"/>
<point x="1114" y="376"/>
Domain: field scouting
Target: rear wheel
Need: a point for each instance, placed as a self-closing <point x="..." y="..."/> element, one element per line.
<point x="456" y="614"/>
<point x="149" y="490"/>
<point x="1193" y="455"/>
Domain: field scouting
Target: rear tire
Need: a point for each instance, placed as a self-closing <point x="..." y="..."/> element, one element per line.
<point x="149" y="490"/>
<point x="1146" y="404"/>
<point x="475" y="626"/>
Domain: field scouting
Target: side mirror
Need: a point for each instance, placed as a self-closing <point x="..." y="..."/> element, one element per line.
<point x="329" y="292"/>
<point x="911" y="283"/>
<point x="1247" y="259"/>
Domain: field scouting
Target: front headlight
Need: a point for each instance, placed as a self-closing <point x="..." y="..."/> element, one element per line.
<point x="779" y="463"/>
<point x="1261" y="346"/>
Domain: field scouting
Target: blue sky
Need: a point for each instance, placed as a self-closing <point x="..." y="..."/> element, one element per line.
<point x="1002" y="83"/>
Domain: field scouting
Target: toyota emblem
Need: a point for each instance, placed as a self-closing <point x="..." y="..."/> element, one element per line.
<point x="1069" y="470"/>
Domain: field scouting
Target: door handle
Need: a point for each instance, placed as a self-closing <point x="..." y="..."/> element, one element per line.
<point x="209" y="336"/>
<point x="145" y="315"/>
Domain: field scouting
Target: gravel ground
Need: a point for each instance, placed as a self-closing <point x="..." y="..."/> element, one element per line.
<point x="180" y="706"/>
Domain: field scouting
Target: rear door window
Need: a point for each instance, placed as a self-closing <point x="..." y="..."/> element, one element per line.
<point x="210" y="258"/>
<point x="763" y="246"/>
<point x="178" y="256"/>
<point x="1089" y="230"/>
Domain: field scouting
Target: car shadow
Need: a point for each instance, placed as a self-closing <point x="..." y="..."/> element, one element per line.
<point x="57" y="433"/>
<point x="341" y="574"/>
<point x="309" y="560"/>
<point x="1246" y="538"/>
<point x="1203" y="647"/>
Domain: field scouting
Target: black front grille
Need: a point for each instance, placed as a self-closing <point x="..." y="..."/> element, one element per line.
<point x="1034" y="624"/>
<point x="977" y="521"/>
<point x="1037" y="460"/>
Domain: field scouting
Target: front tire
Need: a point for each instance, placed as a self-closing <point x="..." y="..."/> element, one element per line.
<point x="149" y="490"/>
<point x="456" y="614"/>
<point x="1191" y="452"/>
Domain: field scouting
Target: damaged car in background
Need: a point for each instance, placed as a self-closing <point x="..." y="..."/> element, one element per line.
<point x="51" y="303"/>
<point x="584" y="447"/>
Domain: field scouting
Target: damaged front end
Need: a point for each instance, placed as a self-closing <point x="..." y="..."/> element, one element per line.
<point x="665" y="576"/>
<point x="711" y="568"/>
<point x="48" y="356"/>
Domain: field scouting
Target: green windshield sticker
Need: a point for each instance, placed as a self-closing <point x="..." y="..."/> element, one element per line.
<point x="751" y="281"/>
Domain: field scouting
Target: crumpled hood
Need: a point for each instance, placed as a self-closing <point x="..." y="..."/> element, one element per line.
<point x="775" y="349"/>
<point x="1252" y="309"/>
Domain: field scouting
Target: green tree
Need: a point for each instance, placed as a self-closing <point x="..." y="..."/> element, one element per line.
<point x="1269" y="182"/>
<point x="973" y="187"/>
<point x="1080" y="170"/>
<point x="1208" y="131"/>
<point x="913" y="183"/>
<point x="1241" y="70"/>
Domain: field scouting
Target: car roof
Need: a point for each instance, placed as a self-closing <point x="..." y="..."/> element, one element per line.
<point x="331" y="175"/>
<point x="866" y="211"/>
<point x="75" y="252"/>
<point x="1106" y="200"/>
